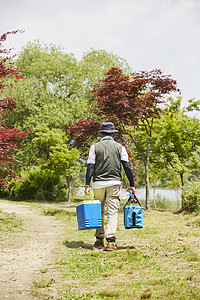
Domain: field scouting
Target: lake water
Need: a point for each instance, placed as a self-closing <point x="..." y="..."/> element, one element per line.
<point x="169" y="194"/>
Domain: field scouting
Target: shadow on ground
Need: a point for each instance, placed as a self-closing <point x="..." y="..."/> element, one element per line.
<point x="81" y="244"/>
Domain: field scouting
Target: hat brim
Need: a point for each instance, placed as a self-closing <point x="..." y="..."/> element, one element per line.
<point x="109" y="131"/>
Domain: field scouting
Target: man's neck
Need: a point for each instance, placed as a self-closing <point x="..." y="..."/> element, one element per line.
<point x="107" y="137"/>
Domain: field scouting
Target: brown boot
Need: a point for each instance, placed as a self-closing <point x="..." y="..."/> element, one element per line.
<point x="99" y="243"/>
<point x="111" y="246"/>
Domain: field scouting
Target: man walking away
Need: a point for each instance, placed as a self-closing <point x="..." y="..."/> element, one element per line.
<point x="104" y="165"/>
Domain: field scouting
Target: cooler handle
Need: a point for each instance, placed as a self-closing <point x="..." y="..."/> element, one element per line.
<point x="131" y="199"/>
<point x="91" y="196"/>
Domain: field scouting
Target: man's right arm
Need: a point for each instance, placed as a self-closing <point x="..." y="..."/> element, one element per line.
<point x="89" y="173"/>
<point x="90" y="168"/>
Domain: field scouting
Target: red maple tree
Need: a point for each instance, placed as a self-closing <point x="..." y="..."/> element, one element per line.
<point x="132" y="102"/>
<point x="84" y="131"/>
<point x="9" y="138"/>
<point x="128" y="99"/>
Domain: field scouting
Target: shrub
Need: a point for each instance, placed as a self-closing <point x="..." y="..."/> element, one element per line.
<point x="39" y="185"/>
<point x="164" y="203"/>
<point x="191" y="196"/>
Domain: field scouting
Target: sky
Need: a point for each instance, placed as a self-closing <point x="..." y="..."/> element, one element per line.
<point x="149" y="34"/>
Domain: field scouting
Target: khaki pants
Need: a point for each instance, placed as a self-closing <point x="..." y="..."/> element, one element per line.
<point x="111" y="196"/>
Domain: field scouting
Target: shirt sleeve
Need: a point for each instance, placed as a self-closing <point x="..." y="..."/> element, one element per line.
<point x="124" y="154"/>
<point x="128" y="172"/>
<point x="91" y="157"/>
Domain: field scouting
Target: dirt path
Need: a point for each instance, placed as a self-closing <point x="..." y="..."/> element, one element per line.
<point x="27" y="254"/>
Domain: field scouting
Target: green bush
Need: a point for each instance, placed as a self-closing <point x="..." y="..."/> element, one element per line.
<point x="191" y="196"/>
<point x="164" y="203"/>
<point x="39" y="184"/>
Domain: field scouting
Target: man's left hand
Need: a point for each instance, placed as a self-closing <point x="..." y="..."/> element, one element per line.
<point x="132" y="189"/>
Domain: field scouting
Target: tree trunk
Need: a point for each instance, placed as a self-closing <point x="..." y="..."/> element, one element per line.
<point x="69" y="191"/>
<point x="147" y="185"/>
<point x="147" y="175"/>
<point x="154" y="197"/>
<point x="146" y="166"/>
<point x="182" y="183"/>
<point x="177" y="199"/>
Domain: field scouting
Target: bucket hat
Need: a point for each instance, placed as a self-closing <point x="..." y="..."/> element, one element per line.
<point x="108" y="127"/>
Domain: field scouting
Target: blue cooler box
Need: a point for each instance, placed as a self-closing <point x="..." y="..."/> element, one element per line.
<point x="89" y="214"/>
<point x="133" y="216"/>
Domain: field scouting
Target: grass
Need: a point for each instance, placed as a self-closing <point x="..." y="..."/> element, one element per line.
<point x="41" y="288"/>
<point x="9" y="222"/>
<point x="42" y="283"/>
<point x="160" y="261"/>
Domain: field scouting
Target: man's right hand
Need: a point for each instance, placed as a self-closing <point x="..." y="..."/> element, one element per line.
<point x="87" y="190"/>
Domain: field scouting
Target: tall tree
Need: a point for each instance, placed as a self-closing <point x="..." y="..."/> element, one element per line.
<point x="94" y="64"/>
<point x="56" y="156"/>
<point x="9" y="137"/>
<point x="51" y="94"/>
<point x="176" y="140"/>
<point x="132" y="103"/>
